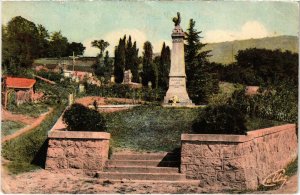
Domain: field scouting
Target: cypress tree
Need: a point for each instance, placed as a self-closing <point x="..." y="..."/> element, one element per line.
<point x="200" y="82"/>
<point x="164" y="66"/>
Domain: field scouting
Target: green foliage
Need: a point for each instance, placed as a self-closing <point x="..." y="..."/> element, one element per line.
<point x="10" y="127"/>
<point x="81" y="118"/>
<point x="119" y="63"/>
<point x="58" y="93"/>
<point x="124" y="91"/>
<point x="279" y="103"/>
<point x="30" y="109"/>
<point x="22" y="150"/>
<point x="17" y="167"/>
<point x="58" y="45"/>
<point x="77" y="48"/>
<point x="19" y="42"/>
<point x="150" y="71"/>
<point x="164" y="66"/>
<point x="201" y="83"/>
<point x="23" y="41"/>
<point x="225" y="93"/>
<point x="150" y="128"/>
<point x="292" y="168"/>
<point x="100" y="44"/>
<point x="262" y="67"/>
<point x="220" y="119"/>
<point x="254" y="123"/>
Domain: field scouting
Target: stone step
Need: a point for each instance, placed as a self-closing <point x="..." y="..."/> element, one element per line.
<point x="162" y="156"/>
<point x="141" y="169"/>
<point x="141" y="176"/>
<point x="153" y="163"/>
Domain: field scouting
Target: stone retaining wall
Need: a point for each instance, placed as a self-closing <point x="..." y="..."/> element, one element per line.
<point x="77" y="150"/>
<point x="237" y="161"/>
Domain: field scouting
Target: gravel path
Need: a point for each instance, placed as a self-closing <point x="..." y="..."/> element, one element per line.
<point x="36" y="122"/>
<point x="43" y="181"/>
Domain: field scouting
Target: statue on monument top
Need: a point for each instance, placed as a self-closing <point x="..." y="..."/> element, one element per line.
<point x="177" y="19"/>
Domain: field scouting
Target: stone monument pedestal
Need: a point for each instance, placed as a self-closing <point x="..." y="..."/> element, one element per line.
<point x="177" y="95"/>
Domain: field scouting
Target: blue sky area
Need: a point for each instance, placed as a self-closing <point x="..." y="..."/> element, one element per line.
<point x="152" y="20"/>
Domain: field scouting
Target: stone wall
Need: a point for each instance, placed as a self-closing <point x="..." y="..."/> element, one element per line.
<point x="237" y="161"/>
<point x="77" y="150"/>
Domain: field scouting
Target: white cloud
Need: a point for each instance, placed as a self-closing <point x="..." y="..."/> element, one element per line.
<point x="251" y="29"/>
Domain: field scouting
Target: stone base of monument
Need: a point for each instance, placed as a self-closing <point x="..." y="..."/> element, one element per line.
<point x="177" y="95"/>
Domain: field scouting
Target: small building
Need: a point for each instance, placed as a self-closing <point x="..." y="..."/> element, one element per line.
<point x="22" y="87"/>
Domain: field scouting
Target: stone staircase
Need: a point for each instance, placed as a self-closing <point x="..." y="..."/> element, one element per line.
<point x="143" y="166"/>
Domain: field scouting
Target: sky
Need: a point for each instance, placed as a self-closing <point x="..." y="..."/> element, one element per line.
<point x="219" y="21"/>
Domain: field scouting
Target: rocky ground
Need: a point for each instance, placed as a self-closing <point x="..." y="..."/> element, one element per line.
<point x="43" y="181"/>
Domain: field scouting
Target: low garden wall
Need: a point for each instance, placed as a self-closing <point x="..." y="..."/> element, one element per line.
<point x="237" y="161"/>
<point x="77" y="150"/>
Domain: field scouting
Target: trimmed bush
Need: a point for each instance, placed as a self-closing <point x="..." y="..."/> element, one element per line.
<point x="220" y="119"/>
<point x="81" y="118"/>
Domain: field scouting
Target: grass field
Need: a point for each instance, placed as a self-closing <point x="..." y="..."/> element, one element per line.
<point x="10" y="127"/>
<point x="150" y="128"/>
<point x="26" y="149"/>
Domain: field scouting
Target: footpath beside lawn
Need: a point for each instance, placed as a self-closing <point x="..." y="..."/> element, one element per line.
<point x="27" y="128"/>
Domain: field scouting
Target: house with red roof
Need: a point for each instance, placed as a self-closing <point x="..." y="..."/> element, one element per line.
<point x="22" y="87"/>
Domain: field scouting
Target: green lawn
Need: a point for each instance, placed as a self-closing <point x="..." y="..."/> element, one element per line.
<point x="30" y="109"/>
<point x="150" y="128"/>
<point x="28" y="148"/>
<point x="10" y="127"/>
<point x="153" y="128"/>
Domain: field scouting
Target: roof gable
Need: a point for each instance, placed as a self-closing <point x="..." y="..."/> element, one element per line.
<point x="15" y="82"/>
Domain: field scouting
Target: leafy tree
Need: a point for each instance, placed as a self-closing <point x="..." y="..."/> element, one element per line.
<point x="20" y="43"/>
<point x="100" y="44"/>
<point x="164" y="66"/>
<point x="150" y="72"/>
<point x="58" y="45"/>
<point x="200" y="81"/>
<point x="43" y="37"/>
<point x="77" y="48"/>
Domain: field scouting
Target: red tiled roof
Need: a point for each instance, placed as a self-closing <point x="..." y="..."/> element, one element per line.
<point x="14" y="82"/>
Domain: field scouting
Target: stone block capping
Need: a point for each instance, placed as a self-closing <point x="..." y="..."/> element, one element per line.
<point x="84" y="150"/>
<point x="236" y="162"/>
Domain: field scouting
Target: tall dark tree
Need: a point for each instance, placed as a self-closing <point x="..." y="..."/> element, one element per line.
<point x="119" y="63"/>
<point x="193" y="54"/>
<point x="150" y="72"/>
<point x="131" y="59"/>
<point x="200" y="81"/>
<point x="77" y="48"/>
<point x="108" y="64"/>
<point x="43" y="36"/>
<point x="58" y="45"/>
<point x="164" y="66"/>
<point x="20" y="43"/>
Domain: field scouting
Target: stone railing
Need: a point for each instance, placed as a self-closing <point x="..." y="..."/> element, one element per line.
<point x="237" y="161"/>
<point x="83" y="150"/>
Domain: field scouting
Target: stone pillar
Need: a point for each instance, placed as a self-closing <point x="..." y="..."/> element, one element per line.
<point x="177" y="77"/>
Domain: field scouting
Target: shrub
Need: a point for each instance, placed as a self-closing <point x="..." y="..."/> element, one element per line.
<point x="279" y="103"/>
<point x="81" y="118"/>
<point x="220" y="119"/>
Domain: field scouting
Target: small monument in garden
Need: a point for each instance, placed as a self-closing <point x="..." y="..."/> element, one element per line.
<point x="177" y="76"/>
<point x="127" y="77"/>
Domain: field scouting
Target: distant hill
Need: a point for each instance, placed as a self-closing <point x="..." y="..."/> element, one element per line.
<point x="224" y="52"/>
